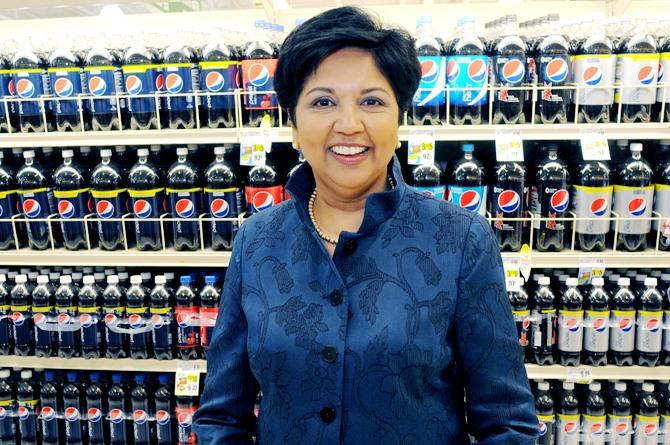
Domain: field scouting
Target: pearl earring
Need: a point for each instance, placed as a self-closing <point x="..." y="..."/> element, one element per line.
<point x="399" y="144"/>
<point x="296" y="146"/>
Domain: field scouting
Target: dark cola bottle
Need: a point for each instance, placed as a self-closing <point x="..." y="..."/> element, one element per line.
<point x="143" y="76"/>
<point x="594" y="420"/>
<point x="648" y="342"/>
<point x="593" y="201"/>
<point x="553" y="70"/>
<point x="181" y="76"/>
<point x="103" y="80"/>
<point x="8" y="207"/>
<point x="36" y="200"/>
<point x="31" y="81"/>
<point x="550" y="200"/>
<point x="646" y="418"/>
<point x="507" y="201"/>
<point x="520" y="302"/>
<point x="427" y="179"/>
<point x="622" y="324"/>
<point x="619" y="421"/>
<point x="146" y="188"/>
<point x="65" y="71"/>
<point x="71" y="190"/>
<point x="596" y="324"/>
<point x="570" y="324"/>
<point x="662" y="111"/>
<point x="429" y="99"/>
<point x="568" y="417"/>
<point x="543" y="328"/>
<point x="108" y="188"/>
<point x="467" y="187"/>
<point x="264" y="189"/>
<point x="509" y="73"/>
<point x="258" y="69"/>
<point x="184" y="198"/>
<point x="544" y="409"/>
<point x="223" y="197"/>
<point x="218" y="75"/>
<point x="662" y="197"/>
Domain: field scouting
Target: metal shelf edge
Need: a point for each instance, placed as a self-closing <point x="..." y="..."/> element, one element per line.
<point x="558" y="372"/>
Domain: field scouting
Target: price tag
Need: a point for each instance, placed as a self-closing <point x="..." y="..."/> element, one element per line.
<point x="579" y="375"/>
<point x="511" y="266"/>
<point x="512" y="284"/>
<point x="420" y="148"/>
<point x="254" y="145"/>
<point x="590" y="268"/>
<point x="509" y="146"/>
<point x="187" y="380"/>
<point x="594" y="145"/>
<point x="524" y="261"/>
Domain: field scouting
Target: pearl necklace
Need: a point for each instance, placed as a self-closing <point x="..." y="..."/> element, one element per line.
<point x="310" y="210"/>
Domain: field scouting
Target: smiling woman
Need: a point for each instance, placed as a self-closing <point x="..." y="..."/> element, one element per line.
<point x="363" y="310"/>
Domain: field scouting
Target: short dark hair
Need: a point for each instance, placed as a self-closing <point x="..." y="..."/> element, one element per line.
<point x="310" y="43"/>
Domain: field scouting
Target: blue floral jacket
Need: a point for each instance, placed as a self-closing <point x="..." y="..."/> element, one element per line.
<point x="398" y="339"/>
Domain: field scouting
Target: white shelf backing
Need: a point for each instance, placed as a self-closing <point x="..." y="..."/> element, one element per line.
<point x="558" y="372"/>
<point x="573" y="258"/>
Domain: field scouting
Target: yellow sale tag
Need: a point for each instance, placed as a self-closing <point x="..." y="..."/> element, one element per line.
<point x="187" y="380"/>
<point x="420" y="147"/>
<point x="509" y="146"/>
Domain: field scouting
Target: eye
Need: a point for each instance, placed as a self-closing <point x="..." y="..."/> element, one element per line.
<point x="322" y="102"/>
<point x="372" y="101"/>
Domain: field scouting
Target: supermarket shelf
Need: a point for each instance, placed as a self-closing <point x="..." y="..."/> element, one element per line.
<point x="130" y="258"/>
<point x="650" y="258"/>
<point x="100" y="364"/>
<point x="558" y="372"/>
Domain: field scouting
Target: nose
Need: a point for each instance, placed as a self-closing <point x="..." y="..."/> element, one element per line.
<point x="349" y="119"/>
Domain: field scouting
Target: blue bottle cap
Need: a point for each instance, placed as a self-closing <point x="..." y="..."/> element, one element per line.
<point x="210" y="279"/>
<point x="468" y="148"/>
<point x="186" y="279"/>
<point x="95" y="377"/>
<point x="139" y="378"/>
<point x="116" y="378"/>
<point x="163" y="379"/>
<point x="49" y="375"/>
<point x="72" y="376"/>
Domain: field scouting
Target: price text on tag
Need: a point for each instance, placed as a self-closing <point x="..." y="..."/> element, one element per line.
<point x="421" y="148"/>
<point x="594" y="146"/>
<point x="590" y="268"/>
<point x="254" y="146"/>
<point x="579" y="375"/>
<point x="509" y="146"/>
<point x="187" y="380"/>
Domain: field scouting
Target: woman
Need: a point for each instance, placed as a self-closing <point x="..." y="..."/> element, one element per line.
<point x="364" y="310"/>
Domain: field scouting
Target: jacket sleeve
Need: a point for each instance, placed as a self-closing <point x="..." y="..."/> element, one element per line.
<point x="226" y="412"/>
<point x="500" y="406"/>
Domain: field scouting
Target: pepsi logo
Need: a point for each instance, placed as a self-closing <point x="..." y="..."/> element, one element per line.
<point x="646" y="75"/>
<point x="185" y="419"/>
<point x="160" y="82"/>
<point x="97" y="86"/>
<point x="509" y="201"/>
<point x="429" y="193"/>
<point x="116" y="415"/>
<point x="453" y="70"/>
<point x="162" y="417"/>
<point x="653" y="325"/>
<point x="157" y="321"/>
<point x="23" y="413"/>
<point x="133" y="85"/>
<point x="94" y="415"/>
<point x="110" y="319"/>
<point x="477" y="70"/>
<point x="626" y="324"/>
<point x="71" y="413"/>
<point x="11" y="88"/>
<point x="183" y="320"/>
<point x="574" y="324"/>
<point x="660" y="72"/>
<point x="470" y="200"/>
<point x="258" y="75"/>
<point x="513" y="71"/>
<point x="3" y="412"/>
<point x="430" y="71"/>
<point x="48" y="413"/>
<point x="600" y="324"/>
<point x="142" y="208"/>
<point x="135" y="321"/>
<point x="526" y="324"/>
<point x="637" y="206"/>
<point x="214" y="81"/>
<point x="139" y="416"/>
<point x="39" y="318"/>
<point x="592" y="75"/>
<point x="597" y="428"/>
<point x="262" y="200"/>
<point x="559" y="200"/>
<point x="105" y="209"/>
<point x="571" y="428"/>
<point x="86" y="320"/>
<point x="556" y="70"/>
<point x="174" y="83"/>
<point x="650" y="429"/>
<point x="90" y="204"/>
<point x="18" y="318"/>
<point x="63" y="87"/>
<point x="543" y="428"/>
<point x="25" y="88"/>
<point x="64" y="318"/>
<point x="65" y="209"/>
<point x="219" y="208"/>
<point x="621" y="429"/>
<point x="184" y="208"/>
<point x="599" y="206"/>
<point x="1" y="210"/>
<point x="31" y="208"/>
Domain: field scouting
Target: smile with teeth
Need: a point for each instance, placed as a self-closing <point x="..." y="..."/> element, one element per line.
<point x="348" y="151"/>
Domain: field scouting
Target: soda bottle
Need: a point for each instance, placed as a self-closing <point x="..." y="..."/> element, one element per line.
<point x="427" y="179"/>
<point x="31" y="81"/>
<point x="224" y="200"/>
<point x="73" y="402"/>
<point x="662" y="195"/>
<point x="467" y="187"/>
<point x="186" y="310"/>
<point x="8" y="206"/>
<point x="543" y="326"/>
<point x="22" y="320"/>
<point x="114" y="309"/>
<point x="263" y="189"/>
<point x="69" y="343"/>
<point x="118" y="407"/>
<point x="646" y="416"/>
<point x="71" y="189"/>
<point x="52" y="428"/>
<point x="544" y="408"/>
<point x="164" y="410"/>
<point x="663" y="93"/>
<point x="26" y="397"/>
<point x="218" y="75"/>
<point x="619" y="419"/>
<point x="622" y="324"/>
<point x="665" y="285"/>
<point x="147" y="183"/>
<point x="568" y="418"/>
<point x="593" y="200"/>
<point x="65" y="76"/>
<point x="143" y="77"/>
<point x="162" y="315"/>
<point x="593" y="70"/>
<point x="37" y="201"/>
<point x="633" y="194"/>
<point x="519" y="301"/>
<point x="103" y="80"/>
<point x="663" y="391"/>
<point x="7" y="115"/>
<point x="7" y="406"/>
<point x="594" y="420"/>
<point x="649" y="324"/>
<point x="43" y="313"/>
<point x="209" y="309"/>
<point x="550" y="199"/>
<point x="596" y="324"/>
<point x="6" y="332"/>
<point x="507" y="201"/>
<point x="90" y="317"/>
<point x="138" y="311"/>
<point x="429" y="99"/>
<point x="258" y="67"/>
<point x="108" y="188"/>
<point x="139" y="399"/>
<point x="185" y="409"/>
<point x="180" y="71"/>
<point x="570" y="324"/>
<point x="184" y="194"/>
<point x="553" y="70"/>
<point x="94" y="409"/>
<point x="508" y="72"/>
<point x="637" y="72"/>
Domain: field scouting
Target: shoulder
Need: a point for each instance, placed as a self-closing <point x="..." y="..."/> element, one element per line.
<point x="274" y="218"/>
<point x="438" y="210"/>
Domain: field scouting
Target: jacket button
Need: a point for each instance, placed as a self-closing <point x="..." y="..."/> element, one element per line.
<point x="336" y="298"/>
<point x="329" y="354"/>
<point x="327" y="414"/>
<point x="350" y="247"/>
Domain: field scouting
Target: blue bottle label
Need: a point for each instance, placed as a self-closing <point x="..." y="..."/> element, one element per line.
<point x="470" y="198"/>
<point x="433" y="80"/>
<point x="7" y="204"/>
<point x="73" y="203"/>
<point x="178" y="80"/>
<point x="219" y="77"/>
<point x="7" y="89"/>
<point x="224" y="203"/>
<point x="184" y="203"/>
<point x="66" y="85"/>
<point x="554" y="70"/>
<point x="140" y="80"/>
<point x="259" y="75"/>
<point x="468" y="72"/>
<point x="510" y="71"/>
<point x="147" y="203"/>
<point x="35" y="203"/>
<point x="103" y="81"/>
<point x="437" y="191"/>
<point x="109" y="203"/>
<point x="29" y="84"/>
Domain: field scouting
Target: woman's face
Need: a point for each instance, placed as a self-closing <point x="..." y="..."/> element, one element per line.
<point x="347" y="122"/>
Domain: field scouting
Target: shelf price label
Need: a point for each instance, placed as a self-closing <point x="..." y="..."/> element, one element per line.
<point x="509" y="146"/>
<point x="590" y="268"/>
<point x="254" y="145"/>
<point x="187" y="380"/>
<point x="579" y="375"/>
<point x="420" y="147"/>
<point x="594" y="145"/>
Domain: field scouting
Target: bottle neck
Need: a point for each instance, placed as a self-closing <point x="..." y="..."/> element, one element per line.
<point x="219" y="158"/>
<point x="181" y="159"/>
<point x="67" y="161"/>
<point x="143" y="159"/>
<point x="552" y="155"/>
<point x="106" y="160"/>
<point x="468" y="156"/>
<point x="636" y="155"/>
<point x="30" y="161"/>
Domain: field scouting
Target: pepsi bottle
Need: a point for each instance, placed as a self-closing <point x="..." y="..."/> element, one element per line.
<point x="429" y="99"/>
<point x="43" y="315"/>
<point x="519" y="300"/>
<point x="7" y="90"/>
<point x="258" y="68"/>
<point x="181" y="75"/>
<point x="118" y="409"/>
<point x="37" y="201"/>
<point x="146" y="189"/>
<point x="622" y="324"/>
<point x="186" y="311"/>
<point x="665" y="353"/>
<point x="143" y="78"/>
<point x="427" y="179"/>
<point x="646" y="417"/>
<point x="550" y="200"/>
<point x="164" y="410"/>
<point x="139" y="399"/>
<point x="103" y="80"/>
<point x="8" y="205"/>
<point x="662" y="197"/>
<point x="65" y="77"/>
<point x="69" y="341"/>
<point x="619" y="420"/>
<point x="162" y="316"/>
<point x="22" y="320"/>
<point x="138" y="318"/>
<point x="209" y="309"/>
<point x="663" y="392"/>
<point x="114" y="309"/>
<point x="570" y="324"/>
<point x="7" y="406"/>
<point x="592" y="200"/>
<point x="73" y="403"/>
<point x="568" y="417"/>
<point x="543" y="326"/>
<point x="26" y="397"/>
<point x="649" y="324"/>
<point x="6" y="333"/>
<point x="509" y="72"/>
<point x="108" y="188"/>
<point x="71" y="190"/>
<point x="633" y="195"/>
<point x="90" y="318"/>
<point x="31" y="82"/>
<point x="596" y="324"/>
<point x="544" y="409"/>
<point x="594" y="420"/>
<point x="184" y="193"/>
<point x="507" y="201"/>
<point x="95" y="406"/>
<point x="263" y="189"/>
<point x="185" y="409"/>
<point x="553" y="70"/>
<point x="224" y="200"/>
<point x="51" y="425"/>
<point x="467" y="187"/>
<point x="663" y="93"/>
<point x="218" y="75"/>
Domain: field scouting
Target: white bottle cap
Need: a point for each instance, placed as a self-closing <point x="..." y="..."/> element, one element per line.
<point x="568" y="385"/>
<point x="112" y="279"/>
<point x="665" y="276"/>
<point x="29" y="154"/>
<point x="648" y="387"/>
<point x="182" y="151"/>
<point x="571" y="281"/>
<point x="89" y="279"/>
<point x="544" y="281"/>
<point x="636" y="147"/>
<point x="3" y="278"/>
<point x="136" y="279"/>
<point x="26" y="374"/>
<point x="4" y="373"/>
<point x="543" y="386"/>
<point x="68" y="153"/>
<point x="160" y="279"/>
<point x="219" y="150"/>
<point x="651" y="281"/>
<point x="65" y="279"/>
<point x="620" y="386"/>
<point x="142" y="152"/>
<point x="594" y="386"/>
<point x="624" y="281"/>
<point x="43" y="279"/>
<point x="20" y="279"/>
<point x="597" y="281"/>
<point x="105" y="153"/>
